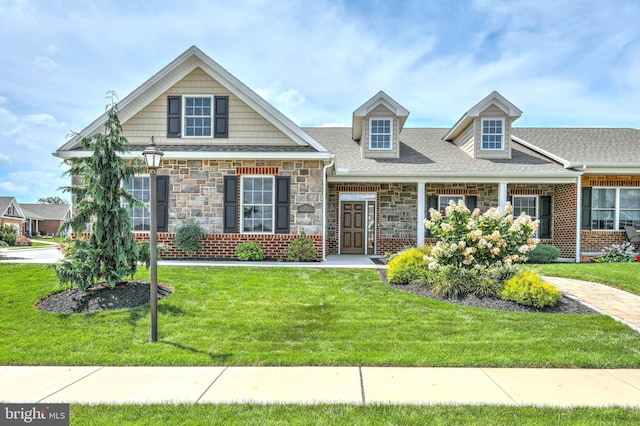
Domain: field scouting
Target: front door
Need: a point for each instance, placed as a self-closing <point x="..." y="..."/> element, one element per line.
<point x="353" y="228"/>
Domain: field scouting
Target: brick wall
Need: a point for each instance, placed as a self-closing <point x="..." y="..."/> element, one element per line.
<point x="564" y="219"/>
<point x="223" y="246"/>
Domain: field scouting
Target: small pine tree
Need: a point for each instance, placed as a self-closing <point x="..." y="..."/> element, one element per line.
<point x="111" y="251"/>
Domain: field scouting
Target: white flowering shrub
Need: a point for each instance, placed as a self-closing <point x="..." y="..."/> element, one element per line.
<point x="470" y="240"/>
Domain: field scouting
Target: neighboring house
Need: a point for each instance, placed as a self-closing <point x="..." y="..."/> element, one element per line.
<point x="246" y="172"/>
<point x="45" y="219"/>
<point x="11" y="214"/>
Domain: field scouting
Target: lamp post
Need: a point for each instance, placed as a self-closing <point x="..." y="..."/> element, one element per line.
<point x="153" y="158"/>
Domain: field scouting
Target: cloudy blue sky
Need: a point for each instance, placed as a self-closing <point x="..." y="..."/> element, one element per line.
<point x="567" y="63"/>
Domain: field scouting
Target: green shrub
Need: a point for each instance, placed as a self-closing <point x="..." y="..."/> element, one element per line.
<point x="3" y="244"/>
<point x="407" y="266"/>
<point x="8" y="234"/>
<point x="527" y="288"/>
<point x="616" y="253"/>
<point x="302" y="249"/>
<point x="452" y="282"/>
<point x="144" y="252"/>
<point x="544" y="253"/>
<point x="188" y="237"/>
<point x="504" y="272"/>
<point x="249" y="250"/>
<point x="483" y="285"/>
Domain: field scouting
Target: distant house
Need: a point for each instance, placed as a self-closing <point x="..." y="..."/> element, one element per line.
<point x="45" y="219"/>
<point x="11" y="214"/>
<point x="246" y="172"/>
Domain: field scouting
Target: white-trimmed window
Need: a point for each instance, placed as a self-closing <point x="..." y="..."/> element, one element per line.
<point x="492" y="134"/>
<point x="198" y="116"/>
<point x="614" y="208"/>
<point x="527" y="204"/>
<point x="380" y="133"/>
<point x="257" y="204"/>
<point x="140" y="215"/>
<point x="444" y="200"/>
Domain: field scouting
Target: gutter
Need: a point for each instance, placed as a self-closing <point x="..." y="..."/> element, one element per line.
<point x="195" y="155"/>
<point x="325" y="191"/>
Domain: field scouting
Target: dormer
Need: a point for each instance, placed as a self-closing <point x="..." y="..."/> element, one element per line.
<point x="484" y="131"/>
<point x="377" y="125"/>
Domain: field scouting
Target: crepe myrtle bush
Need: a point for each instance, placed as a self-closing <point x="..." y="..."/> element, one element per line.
<point x="470" y="240"/>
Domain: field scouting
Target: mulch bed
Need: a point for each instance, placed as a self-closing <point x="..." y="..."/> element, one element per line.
<point x="125" y="295"/>
<point x="565" y="305"/>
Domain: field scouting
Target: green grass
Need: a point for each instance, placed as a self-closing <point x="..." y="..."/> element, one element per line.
<point x="282" y="316"/>
<point x="34" y="244"/>
<point x="624" y="276"/>
<point x="281" y="414"/>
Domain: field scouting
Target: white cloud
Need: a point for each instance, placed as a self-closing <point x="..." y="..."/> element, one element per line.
<point x="4" y="160"/>
<point x="45" y="63"/>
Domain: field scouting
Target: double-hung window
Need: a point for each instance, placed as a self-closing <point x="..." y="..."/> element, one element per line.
<point x="614" y="208"/>
<point x="257" y="204"/>
<point x="492" y="133"/>
<point x="198" y="116"/>
<point x="380" y="133"/>
<point x="138" y="186"/>
<point x="444" y="200"/>
<point x="527" y="204"/>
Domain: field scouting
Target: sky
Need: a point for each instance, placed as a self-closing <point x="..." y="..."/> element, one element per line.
<point x="564" y="63"/>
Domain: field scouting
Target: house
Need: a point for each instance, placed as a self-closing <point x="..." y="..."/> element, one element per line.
<point x="245" y="172"/>
<point x="11" y="214"/>
<point x="45" y="219"/>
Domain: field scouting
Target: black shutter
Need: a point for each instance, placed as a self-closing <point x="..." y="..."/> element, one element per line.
<point x="230" y="205"/>
<point x="586" y="208"/>
<point x="545" y="217"/>
<point x="282" y="205"/>
<point x="174" y="116"/>
<point x="471" y="202"/>
<point x="162" y="203"/>
<point x="221" y="117"/>
<point x="432" y="203"/>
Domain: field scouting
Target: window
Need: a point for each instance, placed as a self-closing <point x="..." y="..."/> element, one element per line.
<point x="257" y="204"/>
<point x="614" y="208"/>
<point x="380" y="133"/>
<point x="527" y="204"/>
<point x="140" y="215"/>
<point x="11" y="211"/>
<point x="443" y="201"/>
<point x="492" y="133"/>
<point x="197" y="116"/>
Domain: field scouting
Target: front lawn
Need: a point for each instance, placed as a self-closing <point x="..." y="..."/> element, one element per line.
<point x="619" y="275"/>
<point x="339" y="414"/>
<point x="282" y="316"/>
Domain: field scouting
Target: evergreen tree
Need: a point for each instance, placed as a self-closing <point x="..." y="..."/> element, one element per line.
<point x="54" y="199"/>
<point x="111" y="252"/>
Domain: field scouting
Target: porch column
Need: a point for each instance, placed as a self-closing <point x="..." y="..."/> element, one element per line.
<point x="502" y="195"/>
<point x="420" y="215"/>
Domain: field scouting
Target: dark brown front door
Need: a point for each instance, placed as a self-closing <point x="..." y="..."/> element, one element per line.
<point x="353" y="229"/>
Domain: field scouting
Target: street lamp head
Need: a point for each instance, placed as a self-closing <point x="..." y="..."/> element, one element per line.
<point x="152" y="156"/>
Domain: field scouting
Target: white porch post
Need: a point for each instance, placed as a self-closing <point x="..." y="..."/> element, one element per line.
<point x="502" y="195"/>
<point x="420" y="215"/>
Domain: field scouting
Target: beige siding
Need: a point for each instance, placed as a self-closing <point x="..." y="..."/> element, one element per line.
<point x="465" y="140"/>
<point x="492" y="111"/>
<point x="246" y="126"/>
<point x="381" y="112"/>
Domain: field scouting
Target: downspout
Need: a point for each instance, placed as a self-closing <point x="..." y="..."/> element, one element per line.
<point x="579" y="213"/>
<point x="325" y="192"/>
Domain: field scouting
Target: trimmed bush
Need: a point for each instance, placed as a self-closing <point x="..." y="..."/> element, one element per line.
<point x="8" y="234"/>
<point x="407" y="266"/>
<point x="544" y="253"/>
<point x="188" y="237"/>
<point x="527" y="288"/>
<point x="301" y="249"/>
<point x="249" y="250"/>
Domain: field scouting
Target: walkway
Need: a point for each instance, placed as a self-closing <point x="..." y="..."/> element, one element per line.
<point x="315" y="385"/>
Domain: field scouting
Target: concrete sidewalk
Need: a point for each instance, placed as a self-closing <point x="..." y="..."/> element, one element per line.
<point x="315" y="385"/>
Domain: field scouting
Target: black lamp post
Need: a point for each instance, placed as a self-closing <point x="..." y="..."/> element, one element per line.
<point x="153" y="159"/>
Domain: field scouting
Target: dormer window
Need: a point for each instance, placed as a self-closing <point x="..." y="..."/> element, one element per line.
<point x="492" y="134"/>
<point x="380" y="134"/>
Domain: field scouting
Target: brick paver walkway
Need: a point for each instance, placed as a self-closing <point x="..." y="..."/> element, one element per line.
<point x="620" y="305"/>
